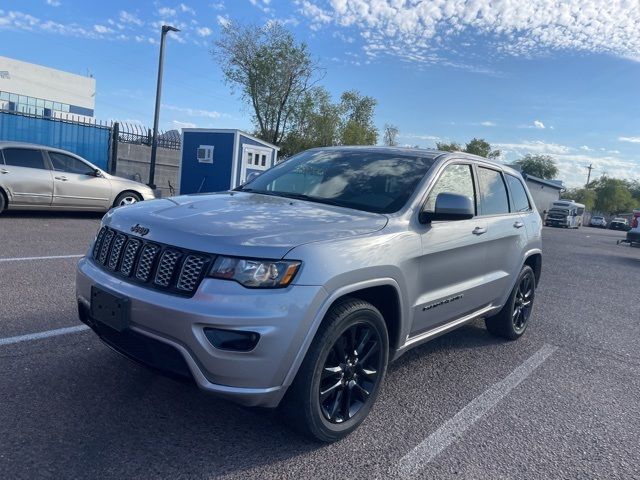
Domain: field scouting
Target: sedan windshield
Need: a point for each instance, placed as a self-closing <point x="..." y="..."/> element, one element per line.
<point x="373" y="181"/>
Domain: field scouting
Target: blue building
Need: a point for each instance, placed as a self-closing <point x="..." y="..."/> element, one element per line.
<point x="214" y="160"/>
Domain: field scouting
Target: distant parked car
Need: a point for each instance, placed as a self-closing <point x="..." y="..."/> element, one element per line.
<point x="619" y="224"/>
<point x="36" y="177"/>
<point x="598" y="221"/>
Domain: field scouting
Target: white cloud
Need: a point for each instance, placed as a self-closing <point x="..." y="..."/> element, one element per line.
<point x="204" y="31"/>
<point x="180" y="125"/>
<point x="614" y="152"/>
<point x="409" y="29"/>
<point x="54" y="3"/>
<point x="262" y="5"/>
<point x="586" y="148"/>
<point x="538" y="124"/>
<point x="534" y="146"/>
<point x="629" y="139"/>
<point x="167" y="12"/>
<point x="420" y="136"/>
<point x="191" y="112"/>
<point x="223" y="20"/>
<point x="187" y="9"/>
<point x="129" y="18"/>
<point x="218" y="6"/>
<point x="102" y="29"/>
<point x="488" y="124"/>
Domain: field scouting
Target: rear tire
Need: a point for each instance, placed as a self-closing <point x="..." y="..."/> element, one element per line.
<point x="127" y="198"/>
<point x="3" y="202"/>
<point x="340" y="377"/>
<point x="511" y="322"/>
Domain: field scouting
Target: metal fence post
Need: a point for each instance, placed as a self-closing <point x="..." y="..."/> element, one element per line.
<point x="115" y="134"/>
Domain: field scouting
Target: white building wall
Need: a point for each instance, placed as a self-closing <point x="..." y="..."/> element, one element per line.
<point x="46" y="83"/>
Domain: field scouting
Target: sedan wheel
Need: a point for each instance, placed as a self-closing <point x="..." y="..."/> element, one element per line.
<point x="127" y="198"/>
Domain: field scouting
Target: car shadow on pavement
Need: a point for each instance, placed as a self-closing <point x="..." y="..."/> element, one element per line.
<point x="100" y="415"/>
<point x="49" y="215"/>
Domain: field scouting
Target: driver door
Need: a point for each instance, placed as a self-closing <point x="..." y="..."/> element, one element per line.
<point x="452" y="267"/>
<point x="75" y="184"/>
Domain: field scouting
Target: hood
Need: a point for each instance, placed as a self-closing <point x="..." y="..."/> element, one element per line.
<point x="242" y="224"/>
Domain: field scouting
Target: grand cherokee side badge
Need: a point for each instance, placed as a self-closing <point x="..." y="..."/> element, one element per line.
<point x="442" y="302"/>
<point x="142" y="231"/>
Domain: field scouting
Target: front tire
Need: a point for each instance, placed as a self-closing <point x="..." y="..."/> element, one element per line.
<point x="340" y="377"/>
<point x="511" y="322"/>
<point x="3" y="203"/>
<point x="127" y="198"/>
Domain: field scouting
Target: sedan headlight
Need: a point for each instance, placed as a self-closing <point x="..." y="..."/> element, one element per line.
<point x="255" y="273"/>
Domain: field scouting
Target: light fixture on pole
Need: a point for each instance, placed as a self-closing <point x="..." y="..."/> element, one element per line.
<point x="154" y="142"/>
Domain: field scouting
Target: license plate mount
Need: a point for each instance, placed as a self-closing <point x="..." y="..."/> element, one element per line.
<point x="110" y="309"/>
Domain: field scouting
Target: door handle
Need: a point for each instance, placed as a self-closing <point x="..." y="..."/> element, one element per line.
<point x="518" y="225"/>
<point x="64" y="179"/>
<point x="479" y="230"/>
<point x="3" y="171"/>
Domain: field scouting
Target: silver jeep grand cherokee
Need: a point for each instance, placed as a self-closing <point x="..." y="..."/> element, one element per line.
<point x="299" y="287"/>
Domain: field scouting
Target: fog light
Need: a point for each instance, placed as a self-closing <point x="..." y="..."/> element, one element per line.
<point x="235" y="340"/>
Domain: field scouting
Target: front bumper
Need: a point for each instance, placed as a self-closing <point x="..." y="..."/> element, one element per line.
<point x="282" y="317"/>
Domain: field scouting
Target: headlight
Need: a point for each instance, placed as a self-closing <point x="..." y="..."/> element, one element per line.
<point x="254" y="273"/>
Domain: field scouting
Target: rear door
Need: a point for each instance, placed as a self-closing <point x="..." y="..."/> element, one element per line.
<point x="75" y="184"/>
<point x="26" y="177"/>
<point x="451" y="273"/>
<point x="506" y="235"/>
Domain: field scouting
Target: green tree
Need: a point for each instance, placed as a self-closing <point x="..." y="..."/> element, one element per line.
<point x="357" y="119"/>
<point x="481" y="147"/>
<point x="448" y="147"/>
<point x="272" y="71"/>
<point x="315" y="123"/>
<point x="613" y="196"/>
<point x="586" y="196"/>
<point x="542" y="166"/>
<point x="390" y="138"/>
<point x="476" y="146"/>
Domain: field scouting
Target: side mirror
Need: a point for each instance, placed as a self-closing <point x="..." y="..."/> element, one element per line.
<point x="449" y="206"/>
<point x="95" y="173"/>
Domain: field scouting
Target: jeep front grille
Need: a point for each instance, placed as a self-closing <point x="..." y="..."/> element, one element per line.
<point x="150" y="264"/>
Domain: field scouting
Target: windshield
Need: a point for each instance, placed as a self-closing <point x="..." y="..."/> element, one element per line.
<point x="373" y="181"/>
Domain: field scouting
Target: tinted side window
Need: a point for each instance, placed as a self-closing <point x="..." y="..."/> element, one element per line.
<point x="493" y="192"/>
<point x="456" y="179"/>
<point x="66" y="163"/>
<point x="24" y="157"/>
<point x="519" y="199"/>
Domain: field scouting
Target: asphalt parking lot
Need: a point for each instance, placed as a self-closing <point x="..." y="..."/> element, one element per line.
<point x="563" y="402"/>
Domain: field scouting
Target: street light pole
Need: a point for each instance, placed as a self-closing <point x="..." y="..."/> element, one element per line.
<point x="154" y="141"/>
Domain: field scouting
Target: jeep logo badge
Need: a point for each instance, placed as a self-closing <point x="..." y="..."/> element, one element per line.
<point x="142" y="231"/>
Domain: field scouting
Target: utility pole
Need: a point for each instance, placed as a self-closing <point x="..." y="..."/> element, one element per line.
<point x="154" y="141"/>
<point x="590" y="167"/>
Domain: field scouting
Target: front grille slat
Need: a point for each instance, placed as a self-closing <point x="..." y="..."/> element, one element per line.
<point x="166" y="267"/>
<point x="116" y="250"/>
<point x="106" y="243"/>
<point x="150" y="264"/>
<point x="190" y="273"/>
<point x="145" y="263"/>
<point x="129" y="258"/>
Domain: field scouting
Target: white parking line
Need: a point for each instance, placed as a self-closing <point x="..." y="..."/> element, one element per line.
<point x="414" y="461"/>
<point x="39" y="335"/>
<point x="52" y="257"/>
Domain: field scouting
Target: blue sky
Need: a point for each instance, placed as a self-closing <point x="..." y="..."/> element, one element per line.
<point x="559" y="77"/>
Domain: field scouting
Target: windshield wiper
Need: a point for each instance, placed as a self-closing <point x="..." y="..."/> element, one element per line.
<point x="309" y="198"/>
<point x="294" y="195"/>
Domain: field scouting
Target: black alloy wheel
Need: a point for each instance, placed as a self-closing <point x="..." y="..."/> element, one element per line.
<point x="512" y="320"/>
<point x="525" y="292"/>
<point x="351" y="371"/>
<point x="341" y="374"/>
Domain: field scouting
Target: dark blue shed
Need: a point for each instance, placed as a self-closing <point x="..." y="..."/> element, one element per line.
<point x="214" y="160"/>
